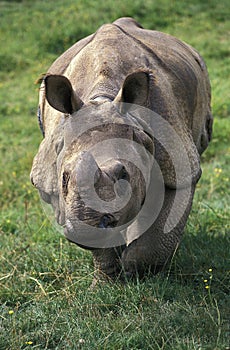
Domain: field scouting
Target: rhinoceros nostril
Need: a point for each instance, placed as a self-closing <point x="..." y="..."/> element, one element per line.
<point x="123" y="174"/>
<point x="107" y="221"/>
<point x="119" y="172"/>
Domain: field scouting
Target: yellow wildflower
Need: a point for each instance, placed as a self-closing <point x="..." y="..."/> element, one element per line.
<point x="218" y="171"/>
<point x="11" y="312"/>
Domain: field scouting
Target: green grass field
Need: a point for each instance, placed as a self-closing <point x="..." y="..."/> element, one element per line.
<point x="45" y="296"/>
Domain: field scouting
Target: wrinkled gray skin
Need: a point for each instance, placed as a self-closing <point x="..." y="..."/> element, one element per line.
<point x="122" y="62"/>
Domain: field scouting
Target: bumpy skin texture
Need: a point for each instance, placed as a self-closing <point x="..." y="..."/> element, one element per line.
<point x="123" y="62"/>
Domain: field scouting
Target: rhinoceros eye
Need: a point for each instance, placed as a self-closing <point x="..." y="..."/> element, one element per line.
<point x="39" y="115"/>
<point x="65" y="181"/>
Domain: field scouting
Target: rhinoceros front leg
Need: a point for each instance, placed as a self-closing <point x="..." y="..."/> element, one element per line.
<point x="107" y="263"/>
<point x="155" y="247"/>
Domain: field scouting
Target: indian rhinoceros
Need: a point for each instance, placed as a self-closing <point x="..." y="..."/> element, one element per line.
<point x="117" y="104"/>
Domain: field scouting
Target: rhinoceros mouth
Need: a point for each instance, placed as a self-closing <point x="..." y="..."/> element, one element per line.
<point x="91" y="237"/>
<point x="108" y="221"/>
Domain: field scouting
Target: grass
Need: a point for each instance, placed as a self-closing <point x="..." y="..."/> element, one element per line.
<point x="45" y="296"/>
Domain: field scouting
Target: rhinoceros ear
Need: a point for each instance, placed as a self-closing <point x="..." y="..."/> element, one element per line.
<point x="135" y="89"/>
<point x="60" y="94"/>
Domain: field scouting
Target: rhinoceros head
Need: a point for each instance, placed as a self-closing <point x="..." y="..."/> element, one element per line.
<point x="100" y="158"/>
